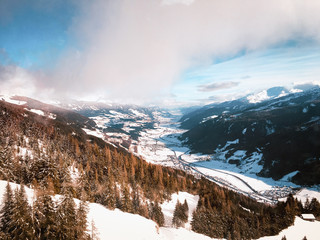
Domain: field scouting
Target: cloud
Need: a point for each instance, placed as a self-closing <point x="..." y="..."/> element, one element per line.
<point x="135" y="49"/>
<point x="217" y="86"/>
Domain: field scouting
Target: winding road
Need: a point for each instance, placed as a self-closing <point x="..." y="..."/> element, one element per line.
<point x="186" y="166"/>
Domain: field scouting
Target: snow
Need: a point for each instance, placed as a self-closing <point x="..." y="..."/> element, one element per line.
<point x="119" y="225"/>
<point x="305" y="194"/>
<point x="52" y="116"/>
<point x="289" y="176"/>
<point x="160" y="145"/>
<point x="115" y="224"/>
<point x="259" y="97"/>
<point x="9" y="100"/>
<point x="244" y="131"/>
<point x="169" y="206"/>
<point x="74" y="173"/>
<point x="305" y="110"/>
<point x="137" y="113"/>
<point x="95" y="132"/>
<point x="208" y="118"/>
<point x="3" y="184"/>
<point x="300" y="229"/>
<point x="36" y="111"/>
<point x="308" y="216"/>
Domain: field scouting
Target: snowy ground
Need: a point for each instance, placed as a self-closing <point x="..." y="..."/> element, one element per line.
<point x="160" y="145"/>
<point x="300" y="229"/>
<point x="115" y="224"/>
<point x="168" y="207"/>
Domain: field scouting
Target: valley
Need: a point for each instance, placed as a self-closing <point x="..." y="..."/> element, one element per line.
<point x="156" y="138"/>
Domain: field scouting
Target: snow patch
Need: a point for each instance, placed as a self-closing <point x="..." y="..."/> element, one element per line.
<point x="208" y="118"/>
<point x="289" y="176"/>
<point x="169" y="206"/>
<point x="36" y="111"/>
<point x="259" y="97"/>
<point x="300" y="229"/>
<point x="95" y="132"/>
<point x="9" y="100"/>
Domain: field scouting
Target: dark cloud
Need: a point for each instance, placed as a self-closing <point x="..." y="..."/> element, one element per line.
<point x="217" y="86"/>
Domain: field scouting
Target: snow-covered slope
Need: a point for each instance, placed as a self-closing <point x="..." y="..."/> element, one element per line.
<point x="115" y="224"/>
<point x="300" y="229"/>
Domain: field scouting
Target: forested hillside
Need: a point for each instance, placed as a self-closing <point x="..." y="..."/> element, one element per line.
<point x="284" y="131"/>
<point x="55" y="157"/>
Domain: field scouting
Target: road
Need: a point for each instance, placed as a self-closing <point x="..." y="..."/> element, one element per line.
<point x="186" y="166"/>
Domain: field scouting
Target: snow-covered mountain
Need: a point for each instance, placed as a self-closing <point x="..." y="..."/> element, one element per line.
<point x="281" y="133"/>
<point x="54" y="150"/>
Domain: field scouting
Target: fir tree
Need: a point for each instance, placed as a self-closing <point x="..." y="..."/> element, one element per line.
<point x="21" y="216"/>
<point x="156" y="214"/>
<point x="180" y="214"/>
<point x="81" y="218"/>
<point x="45" y="217"/>
<point x="66" y="218"/>
<point x="126" y="203"/>
<point x="6" y="213"/>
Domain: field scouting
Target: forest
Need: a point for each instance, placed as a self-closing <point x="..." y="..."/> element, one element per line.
<point x="54" y="157"/>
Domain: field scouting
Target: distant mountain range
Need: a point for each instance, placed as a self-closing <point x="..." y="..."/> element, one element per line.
<point x="280" y="126"/>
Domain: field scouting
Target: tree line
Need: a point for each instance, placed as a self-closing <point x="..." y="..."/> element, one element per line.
<point x="44" y="219"/>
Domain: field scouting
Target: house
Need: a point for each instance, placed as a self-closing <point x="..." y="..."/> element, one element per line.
<point x="308" y="217"/>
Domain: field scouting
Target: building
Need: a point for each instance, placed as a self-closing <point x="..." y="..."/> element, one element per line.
<point x="308" y="217"/>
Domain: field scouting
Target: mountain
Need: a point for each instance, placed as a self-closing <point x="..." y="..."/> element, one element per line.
<point x="52" y="154"/>
<point x="121" y="125"/>
<point x="282" y="133"/>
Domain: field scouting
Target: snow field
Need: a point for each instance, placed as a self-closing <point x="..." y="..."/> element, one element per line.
<point x="300" y="229"/>
<point x="169" y="206"/>
<point x="115" y="224"/>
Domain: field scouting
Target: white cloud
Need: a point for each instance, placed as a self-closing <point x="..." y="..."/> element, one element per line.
<point x="170" y="2"/>
<point x="134" y="49"/>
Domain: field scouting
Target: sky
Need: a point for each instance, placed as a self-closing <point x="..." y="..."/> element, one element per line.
<point x="165" y="52"/>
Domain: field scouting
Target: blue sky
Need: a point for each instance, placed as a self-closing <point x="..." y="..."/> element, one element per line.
<point x="168" y="52"/>
<point x="31" y="34"/>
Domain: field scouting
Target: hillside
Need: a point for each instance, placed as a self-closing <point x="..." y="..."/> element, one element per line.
<point x="55" y="156"/>
<point x="283" y="131"/>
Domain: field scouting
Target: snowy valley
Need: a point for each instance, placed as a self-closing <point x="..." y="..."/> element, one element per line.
<point x="154" y="135"/>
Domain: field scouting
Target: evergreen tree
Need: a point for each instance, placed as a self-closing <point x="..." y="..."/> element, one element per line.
<point x="66" y="218"/>
<point x="156" y="214"/>
<point x="44" y="217"/>
<point x="180" y="214"/>
<point x="6" y="213"/>
<point x="81" y="217"/>
<point x="126" y="203"/>
<point x="21" y="216"/>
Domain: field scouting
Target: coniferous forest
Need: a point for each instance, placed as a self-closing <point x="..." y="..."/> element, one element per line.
<point x="42" y="153"/>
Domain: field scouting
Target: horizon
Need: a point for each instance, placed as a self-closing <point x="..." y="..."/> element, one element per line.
<point x="168" y="53"/>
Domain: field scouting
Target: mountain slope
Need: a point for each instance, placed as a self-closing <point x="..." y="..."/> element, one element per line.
<point x="56" y="155"/>
<point x="285" y="130"/>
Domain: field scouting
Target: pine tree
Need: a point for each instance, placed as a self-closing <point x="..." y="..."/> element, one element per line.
<point x="44" y="217"/>
<point x="66" y="218"/>
<point x="22" y="216"/>
<point x="156" y="214"/>
<point x="81" y="225"/>
<point x="126" y="203"/>
<point x="6" y="213"/>
<point x="180" y="214"/>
